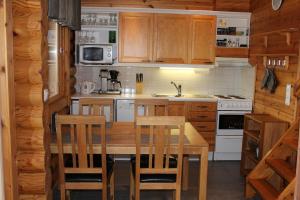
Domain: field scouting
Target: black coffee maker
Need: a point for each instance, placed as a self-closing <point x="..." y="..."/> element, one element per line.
<point x="115" y="84"/>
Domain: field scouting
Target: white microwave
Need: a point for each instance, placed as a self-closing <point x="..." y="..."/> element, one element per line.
<point x="95" y="54"/>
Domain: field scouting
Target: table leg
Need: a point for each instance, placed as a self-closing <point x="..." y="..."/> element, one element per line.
<point x="185" y="172"/>
<point x="203" y="173"/>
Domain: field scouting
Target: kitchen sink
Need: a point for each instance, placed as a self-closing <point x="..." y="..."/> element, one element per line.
<point x="186" y="96"/>
<point x="166" y="95"/>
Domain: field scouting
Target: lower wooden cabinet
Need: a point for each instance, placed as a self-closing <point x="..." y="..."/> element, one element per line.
<point x="176" y="108"/>
<point x="261" y="133"/>
<point x="202" y="116"/>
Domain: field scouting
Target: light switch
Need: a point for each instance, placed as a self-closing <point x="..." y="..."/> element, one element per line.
<point x="288" y="94"/>
<point x="46" y="95"/>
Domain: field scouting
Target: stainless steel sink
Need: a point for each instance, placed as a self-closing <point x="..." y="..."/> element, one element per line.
<point x="186" y="96"/>
<point x="166" y="95"/>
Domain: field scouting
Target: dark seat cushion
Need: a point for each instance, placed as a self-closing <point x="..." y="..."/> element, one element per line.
<point x="90" y="177"/>
<point x="155" y="178"/>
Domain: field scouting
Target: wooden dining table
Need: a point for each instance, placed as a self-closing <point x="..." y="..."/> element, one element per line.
<point x="120" y="140"/>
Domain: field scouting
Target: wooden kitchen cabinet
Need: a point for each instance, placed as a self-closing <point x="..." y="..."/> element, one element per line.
<point x="202" y="116"/>
<point x="171" y="38"/>
<point x="176" y="108"/>
<point x="202" y="40"/>
<point x="261" y="132"/>
<point x="135" y="37"/>
<point x="166" y="38"/>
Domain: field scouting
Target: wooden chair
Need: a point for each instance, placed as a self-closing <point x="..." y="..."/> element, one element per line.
<point x="151" y="107"/>
<point x="96" y="107"/>
<point x="155" y="168"/>
<point x="83" y="170"/>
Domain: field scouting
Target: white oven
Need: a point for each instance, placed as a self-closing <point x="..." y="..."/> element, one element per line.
<point x="230" y="127"/>
<point x="230" y="122"/>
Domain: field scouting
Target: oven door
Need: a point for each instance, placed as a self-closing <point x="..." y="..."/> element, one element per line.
<point x="91" y="54"/>
<point x="230" y="122"/>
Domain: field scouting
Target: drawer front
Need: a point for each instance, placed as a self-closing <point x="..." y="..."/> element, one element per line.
<point x="202" y="116"/>
<point x="203" y="106"/>
<point x="210" y="138"/>
<point x="204" y="126"/>
<point x="229" y="144"/>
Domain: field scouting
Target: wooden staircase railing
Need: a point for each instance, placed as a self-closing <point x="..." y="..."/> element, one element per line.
<point x="274" y="178"/>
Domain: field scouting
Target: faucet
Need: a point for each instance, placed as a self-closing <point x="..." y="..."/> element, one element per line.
<point x="178" y="88"/>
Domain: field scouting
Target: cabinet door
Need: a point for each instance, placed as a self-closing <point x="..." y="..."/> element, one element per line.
<point x="176" y="109"/>
<point x="202" y="38"/>
<point x="136" y="37"/>
<point x="171" y="38"/>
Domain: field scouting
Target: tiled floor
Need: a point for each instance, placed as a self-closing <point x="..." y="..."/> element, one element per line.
<point x="224" y="183"/>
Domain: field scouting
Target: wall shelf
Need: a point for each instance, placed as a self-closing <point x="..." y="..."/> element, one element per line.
<point x="285" y="32"/>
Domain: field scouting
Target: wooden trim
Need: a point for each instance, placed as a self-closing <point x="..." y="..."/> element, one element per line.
<point x="7" y="104"/>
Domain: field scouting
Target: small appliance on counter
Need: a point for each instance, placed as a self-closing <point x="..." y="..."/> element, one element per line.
<point x="104" y="80"/>
<point x="87" y="87"/>
<point x="109" y="82"/>
<point x="115" y="85"/>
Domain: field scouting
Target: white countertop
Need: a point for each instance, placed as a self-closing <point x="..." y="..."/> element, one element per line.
<point x="185" y="97"/>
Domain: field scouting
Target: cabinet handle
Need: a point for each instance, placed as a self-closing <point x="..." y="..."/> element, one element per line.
<point x="202" y="116"/>
<point x="202" y="126"/>
<point x="159" y="61"/>
<point x="202" y="106"/>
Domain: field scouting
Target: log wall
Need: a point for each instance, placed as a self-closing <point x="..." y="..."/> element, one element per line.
<point x="220" y="5"/>
<point x="30" y="64"/>
<point x="264" y="20"/>
<point x="7" y="102"/>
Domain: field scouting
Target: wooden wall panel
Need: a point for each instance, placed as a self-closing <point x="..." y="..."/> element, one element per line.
<point x="233" y="5"/>
<point x="30" y="59"/>
<point x="264" y="20"/>
<point x="7" y="103"/>
<point x="221" y="5"/>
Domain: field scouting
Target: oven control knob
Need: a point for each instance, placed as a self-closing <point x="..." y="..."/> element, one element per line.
<point x="109" y="55"/>
<point x="109" y="49"/>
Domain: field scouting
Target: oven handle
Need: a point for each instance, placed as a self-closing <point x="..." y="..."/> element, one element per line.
<point x="232" y="138"/>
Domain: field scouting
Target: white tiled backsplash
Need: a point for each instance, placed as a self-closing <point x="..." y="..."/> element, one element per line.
<point x="227" y="80"/>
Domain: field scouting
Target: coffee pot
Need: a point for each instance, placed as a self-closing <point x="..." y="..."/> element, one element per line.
<point x="87" y="87"/>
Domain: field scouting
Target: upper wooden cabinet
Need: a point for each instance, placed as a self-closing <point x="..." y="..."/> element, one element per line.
<point x="202" y="39"/>
<point x="135" y="37"/>
<point x="167" y="38"/>
<point x="171" y="38"/>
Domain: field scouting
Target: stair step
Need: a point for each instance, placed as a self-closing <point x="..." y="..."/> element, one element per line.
<point x="265" y="189"/>
<point x="282" y="168"/>
<point x="292" y="142"/>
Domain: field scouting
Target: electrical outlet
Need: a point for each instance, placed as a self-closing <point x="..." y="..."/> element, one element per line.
<point x="288" y="94"/>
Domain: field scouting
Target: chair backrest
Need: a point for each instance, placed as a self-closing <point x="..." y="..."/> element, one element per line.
<point x="151" y="107"/>
<point x="160" y="143"/>
<point x="96" y="106"/>
<point x="77" y="132"/>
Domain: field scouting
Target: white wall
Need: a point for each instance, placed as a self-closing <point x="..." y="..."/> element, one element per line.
<point x="222" y="80"/>
<point x="1" y="167"/>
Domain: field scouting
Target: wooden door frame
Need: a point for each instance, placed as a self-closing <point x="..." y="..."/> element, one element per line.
<point x="7" y="105"/>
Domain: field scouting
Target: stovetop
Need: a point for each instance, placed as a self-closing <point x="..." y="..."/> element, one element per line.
<point x="233" y="103"/>
<point x="229" y="97"/>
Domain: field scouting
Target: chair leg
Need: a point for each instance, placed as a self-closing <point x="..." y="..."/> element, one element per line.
<point x="177" y="193"/>
<point x="68" y="193"/>
<point x="112" y="186"/>
<point x="136" y="189"/>
<point x="104" y="191"/>
<point x="131" y="190"/>
<point x="62" y="193"/>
